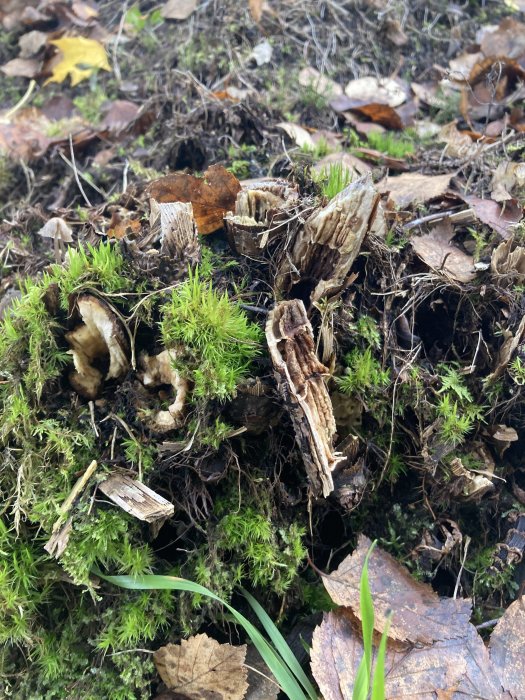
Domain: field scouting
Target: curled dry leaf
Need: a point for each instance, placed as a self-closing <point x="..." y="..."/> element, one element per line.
<point x="507" y="350"/>
<point x="439" y="253"/>
<point x="212" y="196"/>
<point x="378" y="112"/>
<point x="421" y="616"/>
<point x="458" y="144"/>
<point x="413" y="188"/>
<point x="159" y="370"/>
<point x="507" y="263"/>
<point x="506" y="649"/>
<point x="298" y="134"/>
<point x="100" y="337"/>
<point x="200" y="668"/>
<point x="508" y="177"/>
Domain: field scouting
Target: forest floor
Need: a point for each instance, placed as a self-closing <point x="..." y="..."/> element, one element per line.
<point x="339" y="351"/>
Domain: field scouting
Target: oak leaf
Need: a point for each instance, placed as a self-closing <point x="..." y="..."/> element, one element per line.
<point x="81" y="57"/>
<point x="200" y="668"/>
<point x="212" y="196"/>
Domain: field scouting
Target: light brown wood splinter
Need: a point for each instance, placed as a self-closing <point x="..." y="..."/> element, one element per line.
<point x="300" y="374"/>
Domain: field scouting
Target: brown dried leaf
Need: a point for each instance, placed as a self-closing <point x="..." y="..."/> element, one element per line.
<point x="509" y="263"/>
<point x="375" y="110"/>
<point x="212" y="196"/>
<point x="256" y="9"/>
<point x="507" y="177"/>
<point x="437" y="251"/>
<point x="178" y="9"/>
<point x="458" y="143"/>
<point x="462" y="65"/>
<point x="119" y="116"/>
<point x="337" y="649"/>
<point x="507" y="350"/>
<point x="507" y="40"/>
<point x="421" y="616"/>
<point x="506" y="649"/>
<point x="500" y="218"/>
<point x="200" y="668"/>
<point x="22" y="68"/>
<point x="414" y="188"/>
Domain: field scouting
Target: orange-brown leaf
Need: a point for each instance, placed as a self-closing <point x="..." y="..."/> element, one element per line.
<point x="211" y="196"/>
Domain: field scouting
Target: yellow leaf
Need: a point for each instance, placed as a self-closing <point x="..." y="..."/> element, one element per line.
<point x="80" y="58"/>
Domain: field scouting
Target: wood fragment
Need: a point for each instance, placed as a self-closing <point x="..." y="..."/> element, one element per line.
<point x="324" y="250"/>
<point x="57" y="543"/>
<point x="136" y="499"/>
<point x="300" y="375"/>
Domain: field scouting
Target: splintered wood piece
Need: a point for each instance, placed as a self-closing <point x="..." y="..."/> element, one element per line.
<point x="136" y="499"/>
<point x="324" y="250"/>
<point x="179" y="239"/>
<point x="300" y="374"/>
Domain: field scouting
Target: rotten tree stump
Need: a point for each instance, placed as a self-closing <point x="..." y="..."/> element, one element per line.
<point x="324" y="250"/>
<point x="300" y="376"/>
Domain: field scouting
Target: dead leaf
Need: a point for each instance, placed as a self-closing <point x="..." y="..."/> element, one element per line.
<point x="81" y="57"/>
<point x="506" y="649"/>
<point x="421" y="616"/>
<point x="508" y="39"/>
<point x="506" y="351"/>
<point x="212" y="196"/>
<point x="119" y="116"/>
<point x="462" y="65"/>
<point x="501" y="219"/>
<point x="256" y="9"/>
<point x="458" y="143"/>
<point x="200" y="668"/>
<point x="387" y="91"/>
<point x="31" y="43"/>
<point x="353" y="165"/>
<point x="507" y="263"/>
<point x="178" y="9"/>
<point x="22" y="68"/>
<point x="310" y="77"/>
<point x="507" y="177"/>
<point x="299" y="134"/>
<point x="414" y="188"/>
<point x="438" y="252"/>
<point x="337" y="648"/>
<point x="376" y="111"/>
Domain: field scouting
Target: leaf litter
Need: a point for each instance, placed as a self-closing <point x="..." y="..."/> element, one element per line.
<point x="394" y="401"/>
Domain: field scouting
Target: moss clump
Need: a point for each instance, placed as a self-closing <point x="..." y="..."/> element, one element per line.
<point x="216" y="338"/>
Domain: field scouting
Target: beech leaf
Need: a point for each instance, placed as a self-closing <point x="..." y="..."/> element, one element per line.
<point x="199" y="668"/>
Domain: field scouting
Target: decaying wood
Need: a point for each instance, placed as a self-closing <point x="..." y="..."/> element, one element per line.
<point x="510" y="552"/>
<point x="260" y="212"/>
<point x="323" y="251"/>
<point x="57" y="543"/>
<point x="178" y="233"/>
<point x="300" y="375"/>
<point x="136" y="499"/>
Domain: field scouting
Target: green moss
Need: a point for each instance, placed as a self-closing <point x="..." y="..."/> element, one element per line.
<point x="217" y="339"/>
<point x="363" y="373"/>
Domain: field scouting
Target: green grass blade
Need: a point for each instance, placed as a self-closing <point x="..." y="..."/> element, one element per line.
<point x="367" y="612"/>
<point x="282" y="673"/>
<point x="378" y="684"/>
<point x="281" y="645"/>
<point x="362" y="682"/>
